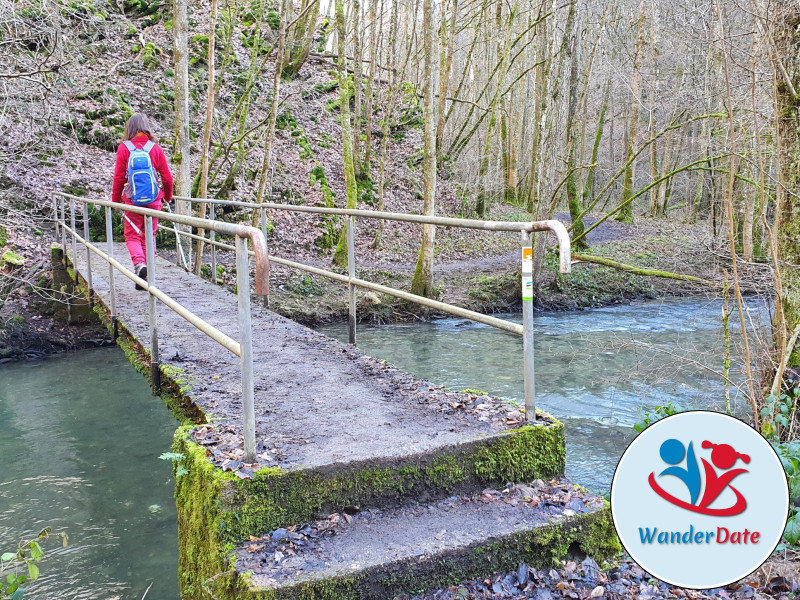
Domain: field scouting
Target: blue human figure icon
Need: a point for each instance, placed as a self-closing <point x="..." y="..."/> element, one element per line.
<point x="672" y="453"/>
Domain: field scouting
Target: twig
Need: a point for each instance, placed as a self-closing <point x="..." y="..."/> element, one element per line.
<point x="776" y="383"/>
<point x="147" y="590"/>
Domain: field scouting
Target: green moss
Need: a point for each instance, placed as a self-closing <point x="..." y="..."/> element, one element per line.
<point x="3" y="236"/>
<point x="12" y="258"/>
<point x="541" y="548"/>
<point x="203" y="554"/>
<point x="216" y="509"/>
<point x="275" y="498"/>
<point x="273" y="20"/>
<point x="149" y="54"/>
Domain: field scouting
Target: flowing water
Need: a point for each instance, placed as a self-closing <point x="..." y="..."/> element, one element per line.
<point x="595" y="369"/>
<point x="80" y="436"/>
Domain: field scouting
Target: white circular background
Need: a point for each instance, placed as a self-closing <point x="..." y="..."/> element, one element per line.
<point x="635" y="505"/>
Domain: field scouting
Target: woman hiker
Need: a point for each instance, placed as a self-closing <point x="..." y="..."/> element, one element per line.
<point x="140" y="161"/>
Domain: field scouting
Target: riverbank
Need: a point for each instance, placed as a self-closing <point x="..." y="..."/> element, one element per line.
<point x="479" y="271"/>
<point x="779" y="577"/>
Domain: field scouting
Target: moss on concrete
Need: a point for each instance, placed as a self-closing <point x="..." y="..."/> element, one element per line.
<point x="173" y="382"/>
<point x="204" y="557"/>
<point x="277" y="498"/>
<point x="590" y="534"/>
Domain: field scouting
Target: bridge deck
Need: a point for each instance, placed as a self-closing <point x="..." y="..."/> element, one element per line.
<point x="318" y="401"/>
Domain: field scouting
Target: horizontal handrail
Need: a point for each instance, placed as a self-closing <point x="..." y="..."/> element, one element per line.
<point x="513" y="226"/>
<point x="243" y="348"/>
<point x="255" y="235"/>
<point x="211" y="331"/>
<point x="369" y="285"/>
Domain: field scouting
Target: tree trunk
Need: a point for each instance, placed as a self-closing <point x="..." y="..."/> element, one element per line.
<point x="573" y="201"/>
<point x="388" y="118"/>
<point x="787" y="211"/>
<point x="368" y="92"/>
<point x="588" y="186"/>
<point x="273" y="114"/>
<point x="183" y="148"/>
<point x="206" y="148"/>
<point x="626" y="213"/>
<point x="299" y="38"/>
<point x="448" y="49"/>
<point x="422" y="283"/>
<point x="345" y="89"/>
<point x="357" y="84"/>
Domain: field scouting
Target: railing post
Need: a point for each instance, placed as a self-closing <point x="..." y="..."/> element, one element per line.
<point x="212" y="236"/>
<point x="179" y="258"/>
<point x="264" y="224"/>
<point x="246" y="346"/>
<point x="88" y="254"/>
<point x="351" y="273"/>
<point x="63" y="203"/>
<point x="55" y="216"/>
<point x="112" y="289"/>
<point x="527" y="327"/>
<point x="155" y="372"/>
<point x="74" y="241"/>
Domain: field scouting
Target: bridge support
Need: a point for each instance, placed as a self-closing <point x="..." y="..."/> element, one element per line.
<point x="527" y="326"/>
<point x="155" y="372"/>
<point x="246" y="348"/>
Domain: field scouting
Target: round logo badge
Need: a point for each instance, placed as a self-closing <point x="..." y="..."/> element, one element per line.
<point x="699" y="499"/>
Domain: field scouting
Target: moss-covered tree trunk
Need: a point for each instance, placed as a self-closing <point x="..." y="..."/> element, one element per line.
<point x="299" y="38"/>
<point x="588" y="184"/>
<point x="787" y="214"/>
<point x="345" y="89"/>
<point x="572" y="38"/>
<point x="422" y="283"/>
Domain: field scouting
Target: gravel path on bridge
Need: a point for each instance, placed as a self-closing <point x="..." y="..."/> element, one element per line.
<point x="317" y="401"/>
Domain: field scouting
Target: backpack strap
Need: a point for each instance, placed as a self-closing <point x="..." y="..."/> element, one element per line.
<point x="129" y="145"/>
<point x="148" y="146"/>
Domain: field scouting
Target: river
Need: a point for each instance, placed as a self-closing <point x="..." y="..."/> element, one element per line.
<point x="596" y="369"/>
<point x="80" y="436"/>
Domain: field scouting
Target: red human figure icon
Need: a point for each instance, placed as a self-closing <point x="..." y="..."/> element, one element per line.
<point x="724" y="457"/>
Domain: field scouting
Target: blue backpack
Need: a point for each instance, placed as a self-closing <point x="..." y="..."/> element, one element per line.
<point x="142" y="187"/>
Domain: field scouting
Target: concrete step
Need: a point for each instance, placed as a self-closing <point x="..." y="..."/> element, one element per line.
<point x="383" y="553"/>
<point x="218" y="508"/>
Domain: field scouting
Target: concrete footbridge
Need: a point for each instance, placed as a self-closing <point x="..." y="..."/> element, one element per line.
<point x="306" y="469"/>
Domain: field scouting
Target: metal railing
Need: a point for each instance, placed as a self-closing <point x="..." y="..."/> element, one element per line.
<point x="525" y="230"/>
<point x="243" y="348"/>
<point x="259" y="240"/>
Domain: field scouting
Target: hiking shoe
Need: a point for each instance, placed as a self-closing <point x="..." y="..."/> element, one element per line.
<point x="141" y="272"/>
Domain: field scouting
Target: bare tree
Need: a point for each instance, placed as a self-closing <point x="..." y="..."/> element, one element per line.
<point x="422" y="283"/>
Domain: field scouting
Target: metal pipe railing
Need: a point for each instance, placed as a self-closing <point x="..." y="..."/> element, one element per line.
<point x="525" y="230"/>
<point x="242" y="233"/>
